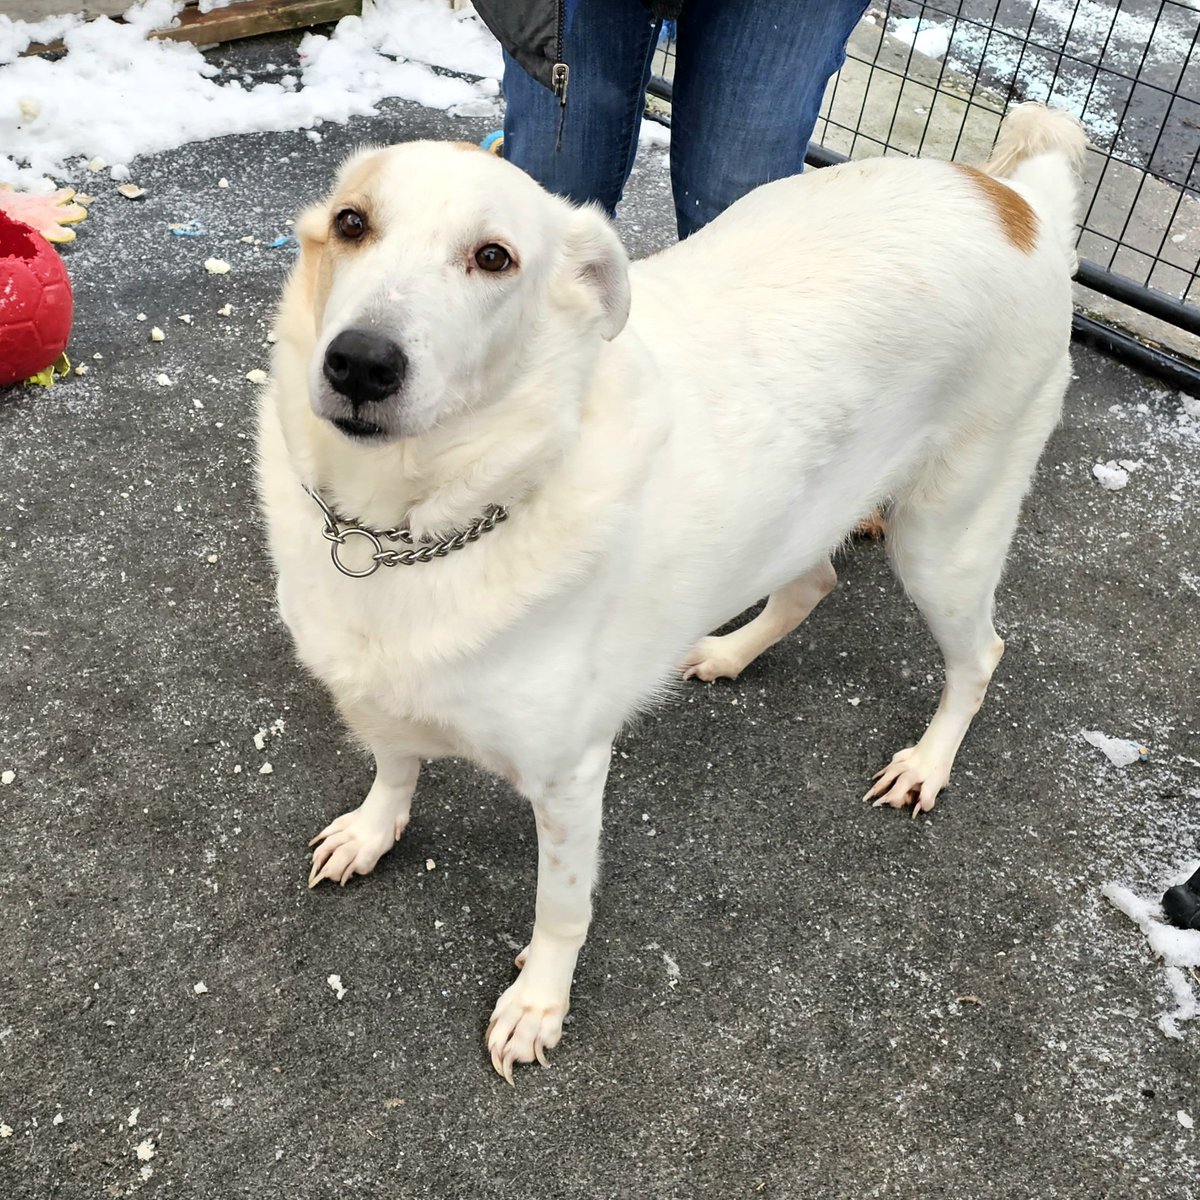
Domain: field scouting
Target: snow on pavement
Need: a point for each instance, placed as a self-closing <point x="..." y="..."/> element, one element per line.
<point x="117" y="94"/>
<point x="1118" y="39"/>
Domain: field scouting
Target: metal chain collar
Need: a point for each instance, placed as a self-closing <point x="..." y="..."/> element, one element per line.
<point x="337" y="530"/>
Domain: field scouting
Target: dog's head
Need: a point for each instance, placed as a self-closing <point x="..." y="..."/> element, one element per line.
<point x="431" y="272"/>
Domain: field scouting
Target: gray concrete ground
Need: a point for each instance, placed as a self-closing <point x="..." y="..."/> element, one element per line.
<point x="864" y="1005"/>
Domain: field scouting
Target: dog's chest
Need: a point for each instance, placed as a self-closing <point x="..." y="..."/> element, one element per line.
<point x="379" y="646"/>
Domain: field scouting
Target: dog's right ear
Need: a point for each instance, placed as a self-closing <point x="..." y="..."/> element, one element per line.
<point x="312" y="232"/>
<point x="595" y="258"/>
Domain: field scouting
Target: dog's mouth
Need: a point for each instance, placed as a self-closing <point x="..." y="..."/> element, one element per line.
<point x="354" y="427"/>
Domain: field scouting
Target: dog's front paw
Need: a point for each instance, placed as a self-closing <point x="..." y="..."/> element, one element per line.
<point x="909" y="779"/>
<point x="352" y="845"/>
<point x="526" y="1022"/>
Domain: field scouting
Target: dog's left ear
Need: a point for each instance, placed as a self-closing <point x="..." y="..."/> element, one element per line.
<point x="595" y="258"/>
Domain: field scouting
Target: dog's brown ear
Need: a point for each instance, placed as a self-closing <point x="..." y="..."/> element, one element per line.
<point x="595" y="258"/>
<point x="312" y="232"/>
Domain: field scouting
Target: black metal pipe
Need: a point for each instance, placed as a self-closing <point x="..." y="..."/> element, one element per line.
<point x="1146" y="299"/>
<point x="820" y="156"/>
<point x="661" y="88"/>
<point x="1177" y="372"/>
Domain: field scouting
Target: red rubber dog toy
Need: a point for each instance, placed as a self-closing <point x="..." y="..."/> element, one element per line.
<point x="35" y="302"/>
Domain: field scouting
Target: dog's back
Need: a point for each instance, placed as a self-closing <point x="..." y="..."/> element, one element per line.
<point x="918" y="251"/>
<point x="869" y="314"/>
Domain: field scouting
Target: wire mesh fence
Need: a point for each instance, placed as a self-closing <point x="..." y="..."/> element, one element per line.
<point x="936" y="77"/>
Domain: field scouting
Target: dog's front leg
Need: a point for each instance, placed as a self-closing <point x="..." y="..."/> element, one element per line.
<point x="527" y="1020"/>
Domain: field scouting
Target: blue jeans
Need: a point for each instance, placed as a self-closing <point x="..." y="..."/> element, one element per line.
<point x="749" y="79"/>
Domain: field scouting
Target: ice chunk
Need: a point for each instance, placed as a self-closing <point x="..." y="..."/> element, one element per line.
<point x="1111" y="477"/>
<point x="1119" y="751"/>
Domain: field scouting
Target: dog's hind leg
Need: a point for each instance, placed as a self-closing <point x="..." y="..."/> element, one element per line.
<point x="727" y="656"/>
<point x="947" y="539"/>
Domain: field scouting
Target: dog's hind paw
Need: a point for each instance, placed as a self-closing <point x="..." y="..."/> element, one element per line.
<point x="710" y="659"/>
<point x="352" y="845"/>
<point x="906" y="780"/>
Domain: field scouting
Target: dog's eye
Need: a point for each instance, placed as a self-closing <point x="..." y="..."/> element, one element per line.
<point x="350" y="224"/>
<point x="492" y="258"/>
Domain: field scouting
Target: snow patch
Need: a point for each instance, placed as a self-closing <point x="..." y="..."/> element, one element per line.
<point x="653" y="134"/>
<point x="930" y="40"/>
<point x="1132" y="43"/>
<point x="144" y="96"/>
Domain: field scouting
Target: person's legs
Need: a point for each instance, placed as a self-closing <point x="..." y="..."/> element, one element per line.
<point x="608" y="45"/>
<point x="749" y="79"/>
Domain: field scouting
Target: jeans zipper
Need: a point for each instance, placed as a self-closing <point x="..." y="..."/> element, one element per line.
<point x="559" y="78"/>
<point x="560" y="74"/>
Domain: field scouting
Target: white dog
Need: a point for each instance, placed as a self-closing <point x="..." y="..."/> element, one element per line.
<point x="553" y="473"/>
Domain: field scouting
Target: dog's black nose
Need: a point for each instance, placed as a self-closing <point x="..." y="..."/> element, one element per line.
<point x="364" y="366"/>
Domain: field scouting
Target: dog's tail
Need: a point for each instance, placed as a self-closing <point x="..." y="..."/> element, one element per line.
<point x="1043" y="148"/>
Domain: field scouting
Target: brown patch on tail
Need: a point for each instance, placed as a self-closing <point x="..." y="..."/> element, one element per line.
<point x="1017" y="219"/>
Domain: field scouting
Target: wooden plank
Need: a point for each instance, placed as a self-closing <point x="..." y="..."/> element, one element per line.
<point x="248" y="18"/>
